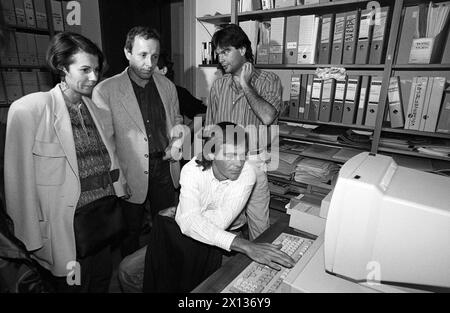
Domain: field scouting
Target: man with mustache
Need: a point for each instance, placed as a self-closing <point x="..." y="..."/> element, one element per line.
<point x="248" y="97"/>
<point x="138" y="109"/>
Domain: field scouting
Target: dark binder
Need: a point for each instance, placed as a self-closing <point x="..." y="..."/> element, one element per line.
<point x="351" y="99"/>
<point x="316" y="95"/>
<point x="350" y="37"/>
<point x="364" y="37"/>
<point x="338" y="104"/>
<point x="294" y="95"/>
<point x="338" y="38"/>
<point x="291" y="42"/>
<point x="326" y="102"/>
<point x="379" y="37"/>
<point x="373" y="101"/>
<point x="326" y="38"/>
<point x="362" y="101"/>
<point x="308" y="80"/>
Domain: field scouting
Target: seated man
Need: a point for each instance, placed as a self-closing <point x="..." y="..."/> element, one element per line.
<point x="184" y="251"/>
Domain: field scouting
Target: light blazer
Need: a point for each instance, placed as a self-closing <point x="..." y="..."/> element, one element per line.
<point x="123" y="122"/>
<point x="42" y="183"/>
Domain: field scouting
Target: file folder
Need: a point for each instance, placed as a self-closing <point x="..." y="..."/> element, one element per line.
<point x="316" y="95"/>
<point x="294" y="96"/>
<point x="13" y="85"/>
<point x="338" y="39"/>
<point x="326" y="38"/>
<point x="305" y="98"/>
<point x="395" y="103"/>
<point x="362" y="101"/>
<point x="416" y="102"/>
<point x="408" y="33"/>
<point x="431" y="110"/>
<point x="292" y="32"/>
<point x="276" y="46"/>
<point x="20" y="13"/>
<point x="9" y="56"/>
<point x="444" y="117"/>
<point x="42" y="42"/>
<point x="8" y="11"/>
<point x="31" y="49"/>
<point x="374" y="101"/>
<point x="29" y="13"/>
<point x="338" y="103"/>
<point x="41" y="14"/>
<point x="29" y="82"/>
<point x="379" y="37"/>
<point x="262" y="51"/>
<point x="307" y="40"/>
<point x="3" y="99"/>
<point x="302" y="96"/>
<point x="45" y="81"/>
<point x="364" y="37"/>
<point x="350" y="37"/>
<point x="351" y="99"/>
<point x="22" y="48"/>
<point x="57" y="17"/>
<point x="446" y="53"/>
<point x="326" y="102"/>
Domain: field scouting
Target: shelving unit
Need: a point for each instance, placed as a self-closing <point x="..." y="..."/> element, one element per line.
<point x="29" y="30"/>
<point x="385" y="70"/>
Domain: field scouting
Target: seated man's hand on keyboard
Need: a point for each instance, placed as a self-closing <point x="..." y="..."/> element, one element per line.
<point x="264" y="253"/>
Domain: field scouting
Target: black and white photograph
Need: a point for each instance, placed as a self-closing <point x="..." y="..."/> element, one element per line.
<point x="228" y="155"/>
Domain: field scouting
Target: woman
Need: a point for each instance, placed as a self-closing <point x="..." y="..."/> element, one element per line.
<point x="57" y="160"/>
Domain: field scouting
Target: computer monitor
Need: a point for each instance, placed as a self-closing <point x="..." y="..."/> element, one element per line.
<point x="389" y="224"/>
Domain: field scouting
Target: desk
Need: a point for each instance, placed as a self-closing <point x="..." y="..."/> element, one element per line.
<point x="224" y="275"/>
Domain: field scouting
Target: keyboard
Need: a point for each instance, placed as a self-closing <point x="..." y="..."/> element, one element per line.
<point x="258" y="278"/>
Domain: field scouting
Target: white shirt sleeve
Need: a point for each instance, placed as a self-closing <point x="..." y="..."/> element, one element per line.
<point x="209" y="226"/>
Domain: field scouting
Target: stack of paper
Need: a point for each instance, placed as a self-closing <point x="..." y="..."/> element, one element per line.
<point x="315" y="171"/>
<point x="327" y="132"/>
<point x="286" y="165"/>
<point x="293" y="145"/>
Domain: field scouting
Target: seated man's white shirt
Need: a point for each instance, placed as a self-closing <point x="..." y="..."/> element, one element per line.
<point x="207" y="206"/>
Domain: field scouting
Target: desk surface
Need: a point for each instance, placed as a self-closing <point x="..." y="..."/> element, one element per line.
<point x="224" y="275"/>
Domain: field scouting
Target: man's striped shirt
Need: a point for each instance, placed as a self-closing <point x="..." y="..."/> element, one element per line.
<point x="227" y="103"/>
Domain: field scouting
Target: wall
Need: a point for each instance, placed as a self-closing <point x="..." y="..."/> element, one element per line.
<point x="90" y="21"/>
<point x="203" y="32"/>
<point x="177" y="25"/>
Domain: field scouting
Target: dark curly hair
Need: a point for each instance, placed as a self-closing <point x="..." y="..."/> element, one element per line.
<point x="231" y="35"/>
<point x="217" y="133"/>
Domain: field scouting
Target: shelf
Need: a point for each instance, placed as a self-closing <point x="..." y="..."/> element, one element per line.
<point x="314" y="157"/>
<point x="314" y="66"/>
<point x="34" y="67"/>
<point x="300" y="184"/>
<point x="414" y="154"/>
<point x="324" y="142"/>
<point x="215" y="19"/>
<point x="279" y="12"/>
<point x="302" y="9"/>
<point x="28" y="29"/>
<point x="293" y="120"/>
<point x="423" y="67"/>
<point x="415" y="133"/>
